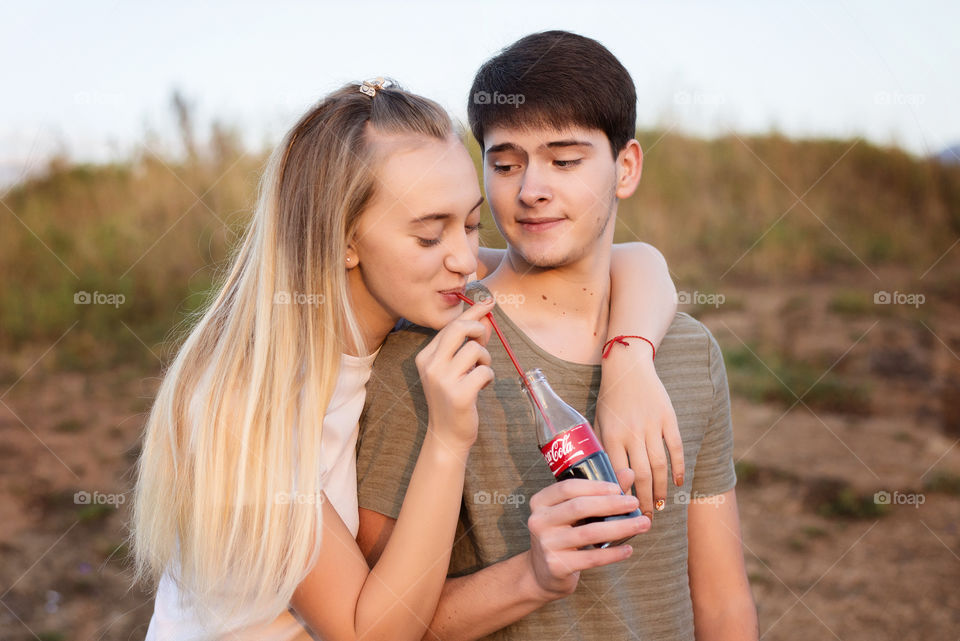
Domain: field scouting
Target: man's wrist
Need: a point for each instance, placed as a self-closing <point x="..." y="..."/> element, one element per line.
<point x="530" y="587"/>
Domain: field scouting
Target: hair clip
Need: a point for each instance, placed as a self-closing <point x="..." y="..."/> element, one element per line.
<point x="370" y="87"/>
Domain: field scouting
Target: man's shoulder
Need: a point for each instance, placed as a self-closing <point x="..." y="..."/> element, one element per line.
<point x="403" y="342"/>
<point x="687" y="344"/>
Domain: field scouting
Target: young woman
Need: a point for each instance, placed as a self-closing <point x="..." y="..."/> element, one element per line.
<point x="245" y="502"/>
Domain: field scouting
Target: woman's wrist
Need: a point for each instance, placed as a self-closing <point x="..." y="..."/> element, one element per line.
<point x="446" y="448"/>
<point x="635" y="358"/>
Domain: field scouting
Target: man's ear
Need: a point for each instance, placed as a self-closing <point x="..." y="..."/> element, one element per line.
<point x="629" y="168"/>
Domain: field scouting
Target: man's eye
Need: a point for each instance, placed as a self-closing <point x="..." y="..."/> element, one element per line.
<point x="473" y="228"/>
<point x="428" y="242"/>
<point x="502" y="169"/>
<point x="567" y="163"/>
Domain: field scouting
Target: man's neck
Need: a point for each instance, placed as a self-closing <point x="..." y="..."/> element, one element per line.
<point x="564" y="310"/>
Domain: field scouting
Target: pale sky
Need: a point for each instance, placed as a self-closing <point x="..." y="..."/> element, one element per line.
<point x="93" y="77"/>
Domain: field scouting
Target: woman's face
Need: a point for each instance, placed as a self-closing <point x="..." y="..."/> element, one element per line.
<point x="417" y="242"/>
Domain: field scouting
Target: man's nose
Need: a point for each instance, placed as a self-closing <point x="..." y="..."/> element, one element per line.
<point x="534" y="190"/>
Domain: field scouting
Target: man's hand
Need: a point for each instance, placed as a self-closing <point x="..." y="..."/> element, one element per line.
<point x="555" y="538"/>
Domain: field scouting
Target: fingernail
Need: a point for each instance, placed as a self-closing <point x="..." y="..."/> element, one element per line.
<point x="679" y="481"/>
<point x="659" y="505"/>
<point x="649" y="515"/>
<point x="627" y="550"/>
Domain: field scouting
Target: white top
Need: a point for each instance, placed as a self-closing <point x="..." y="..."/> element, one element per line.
<point x="338" y="460"/>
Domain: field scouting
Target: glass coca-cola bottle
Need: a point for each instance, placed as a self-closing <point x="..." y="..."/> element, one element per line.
<point x="568" y="443"/>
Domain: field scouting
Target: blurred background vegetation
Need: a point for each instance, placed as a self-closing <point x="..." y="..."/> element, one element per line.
<point x="157" y="227"/>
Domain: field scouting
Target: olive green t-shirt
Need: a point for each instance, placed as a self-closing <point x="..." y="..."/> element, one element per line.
<point x="646" y="596"/>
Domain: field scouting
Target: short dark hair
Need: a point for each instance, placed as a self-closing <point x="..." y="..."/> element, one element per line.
<point x="555" y="79"/>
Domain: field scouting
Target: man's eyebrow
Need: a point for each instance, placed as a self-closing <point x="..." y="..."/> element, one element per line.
<point x="568" y="143"/>
<point x="554" y="144"/>
<point x="504" y="146"/>
<point x="440" y="215"/>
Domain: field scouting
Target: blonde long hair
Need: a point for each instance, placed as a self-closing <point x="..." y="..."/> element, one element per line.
<point x="237" y="419"/>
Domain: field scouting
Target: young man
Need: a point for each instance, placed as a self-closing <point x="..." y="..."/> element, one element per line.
<point x="555" y="116"/>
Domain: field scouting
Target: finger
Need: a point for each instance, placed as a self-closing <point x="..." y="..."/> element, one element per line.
<point x="451" y="337"/>
<point x="601" y="532"/>
<point x="578" y="560"/>
<point x="480" y="377"/>
<point x="470" y="355"/>
<point x="671" y="434"/>
<point x="658" y="465"/>
<point x="488" y="326"/>
<point x="582" y="507"/>
<point x="571" y="488"/>
<point x="625" y="477"/>
<point x="478" y="310"/>
<point x="618" y="455"/>
<point x="643" y="483"/>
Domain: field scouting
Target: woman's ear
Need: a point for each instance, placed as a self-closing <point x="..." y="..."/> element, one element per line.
<point x="351" y="260"/>
<point x="629" y="168"/>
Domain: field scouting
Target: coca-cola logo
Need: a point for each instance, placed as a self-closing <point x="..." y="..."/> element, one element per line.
<point x="559" y="449"/>
<point x="570" y="447"/>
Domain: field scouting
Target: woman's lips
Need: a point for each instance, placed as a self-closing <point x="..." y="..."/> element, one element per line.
<point x="450" y="296"/>
<point x="539" y="224"/>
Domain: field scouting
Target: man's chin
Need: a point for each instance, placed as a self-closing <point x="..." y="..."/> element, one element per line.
<point x="543" y="258"/>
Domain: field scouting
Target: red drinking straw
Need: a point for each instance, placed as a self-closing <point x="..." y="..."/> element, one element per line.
<point x="513" y="359"/>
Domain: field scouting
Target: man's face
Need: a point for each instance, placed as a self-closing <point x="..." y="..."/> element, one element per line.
<point x="553" y="193"/>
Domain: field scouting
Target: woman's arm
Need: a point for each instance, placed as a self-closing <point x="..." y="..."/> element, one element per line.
<point x="341" y="598"/>
<point x="634" y="412"/>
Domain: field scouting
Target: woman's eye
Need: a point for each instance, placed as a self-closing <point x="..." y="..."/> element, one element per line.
<point x="473" y="228"/>
<point x="567" y="163"/>
<point x="428" y="242"/>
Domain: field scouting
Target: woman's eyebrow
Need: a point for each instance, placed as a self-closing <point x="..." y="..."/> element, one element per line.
<point x="440" y="215"/>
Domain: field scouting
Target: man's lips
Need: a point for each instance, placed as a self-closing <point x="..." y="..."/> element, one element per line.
<point x="539" y="224"/>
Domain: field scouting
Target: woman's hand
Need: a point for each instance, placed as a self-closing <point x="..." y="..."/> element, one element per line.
<point x="634" y="419"/>
<point x="454" y="367"/>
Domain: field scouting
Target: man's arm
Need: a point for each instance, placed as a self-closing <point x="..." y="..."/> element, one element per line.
<point x="723" y="606"/>
<point x="481" y="603"/>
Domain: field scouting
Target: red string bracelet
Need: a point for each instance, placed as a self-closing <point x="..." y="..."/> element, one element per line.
<point x="620" y="339"/>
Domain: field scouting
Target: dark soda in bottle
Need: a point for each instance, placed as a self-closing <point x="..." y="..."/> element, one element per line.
<point x="568" y="443"/>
